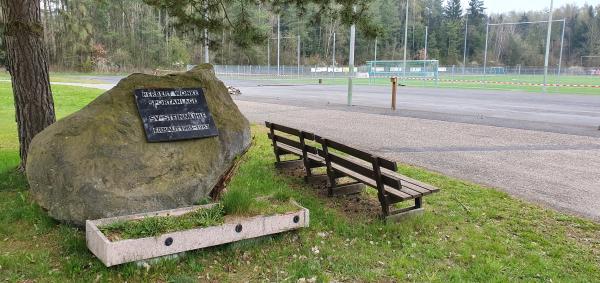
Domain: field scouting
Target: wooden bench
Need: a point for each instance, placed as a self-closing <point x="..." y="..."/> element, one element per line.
<point x="342" y="161"/>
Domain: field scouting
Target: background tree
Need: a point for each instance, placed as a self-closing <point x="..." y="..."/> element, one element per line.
<point x="476" y="30"/>
<point x="23" y="36"/>
<point x="452" y="30"/>
<point x="130" y="35"/>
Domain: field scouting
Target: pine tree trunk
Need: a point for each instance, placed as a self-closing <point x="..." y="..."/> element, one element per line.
<point x="28" y="69"/>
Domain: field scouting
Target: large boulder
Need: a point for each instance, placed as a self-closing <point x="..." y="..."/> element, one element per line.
<point x="97" y="163"/>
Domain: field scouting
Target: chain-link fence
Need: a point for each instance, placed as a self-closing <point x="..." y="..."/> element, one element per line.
<point x="570" y="79"/>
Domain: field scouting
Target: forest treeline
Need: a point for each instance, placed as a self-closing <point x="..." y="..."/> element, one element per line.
<point x="126" y="35"/>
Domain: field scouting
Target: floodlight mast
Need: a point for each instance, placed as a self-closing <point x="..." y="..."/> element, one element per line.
<point x="426" y="37"/>
<point x="298" y="55"/>
<point x="487" y="32"/>
<point x="375" y="57"/>
<point x="546" y="59"/>
<point x="333" y="55"/>
<point x="405" y="41"/>
<point x="465" y="46"/>
<point x="278" y="41"/>
<point x="351" y="59"/>
<point x="562" y="41"/>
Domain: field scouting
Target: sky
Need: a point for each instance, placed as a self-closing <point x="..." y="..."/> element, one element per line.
<point x="496" y="6"/>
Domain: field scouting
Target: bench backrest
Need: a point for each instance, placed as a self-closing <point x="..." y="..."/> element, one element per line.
<point x="296" y="138"/>
<point x="370" y="167"/>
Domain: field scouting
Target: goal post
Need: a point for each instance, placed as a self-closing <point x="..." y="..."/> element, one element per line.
<point x="547" y="44"/>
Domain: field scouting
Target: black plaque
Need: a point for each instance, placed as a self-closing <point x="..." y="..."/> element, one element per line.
<point x="175" y="114"/>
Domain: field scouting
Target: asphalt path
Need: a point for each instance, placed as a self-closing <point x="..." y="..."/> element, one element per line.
<point x="560" y="113"/>
<point x="544" y="148"/>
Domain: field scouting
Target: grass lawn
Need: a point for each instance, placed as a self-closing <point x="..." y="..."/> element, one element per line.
<point x="64" y="77"/>
<point x="468" y="233"/>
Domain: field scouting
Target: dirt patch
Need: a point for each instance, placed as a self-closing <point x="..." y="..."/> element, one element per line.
<point x="363" y="206"/>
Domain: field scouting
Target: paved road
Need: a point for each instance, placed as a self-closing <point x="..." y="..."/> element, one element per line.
<point x="573" y="114"/>
<point x="543" y="148"/>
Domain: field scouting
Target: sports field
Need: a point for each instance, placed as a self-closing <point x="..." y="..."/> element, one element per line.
<point x="530" y="83"/>
<point x="568" y="84"/>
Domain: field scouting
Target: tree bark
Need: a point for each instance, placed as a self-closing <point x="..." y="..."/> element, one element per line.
<point x="28" y="68"/>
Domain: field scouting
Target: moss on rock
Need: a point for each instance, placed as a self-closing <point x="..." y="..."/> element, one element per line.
<point x="96" y="162"/>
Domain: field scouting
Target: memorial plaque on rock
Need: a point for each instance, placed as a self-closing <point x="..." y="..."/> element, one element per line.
<point x="175" y="114"/>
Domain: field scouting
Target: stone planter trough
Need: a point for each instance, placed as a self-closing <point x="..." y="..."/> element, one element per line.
<point x="234" y="229"/>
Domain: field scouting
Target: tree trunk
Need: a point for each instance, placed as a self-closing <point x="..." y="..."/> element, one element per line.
<point x="28" y="69"/>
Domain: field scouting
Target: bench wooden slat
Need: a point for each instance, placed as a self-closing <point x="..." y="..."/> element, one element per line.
<point x="402" y="193"/>
<point x="287" y="141"/>
<point x="390" y="178"/>
<point x="308" y="136"/>
<point x="403" y="196"/>
<point x="406" y="179"/>
<point x="296" y="144"/>
<point x="390" y="165"/>
<point x="358" y="168"/>
<point x="298" y="152"/>
<point x="313" y="150"/>
<point x="393" y="180"/>
<point x="415" y="188"/>
<point x="282" y="128"/>
<point x="283" y="150"/>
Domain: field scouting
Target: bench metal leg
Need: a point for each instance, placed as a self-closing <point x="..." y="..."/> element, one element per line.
<point x="418" y="202"/>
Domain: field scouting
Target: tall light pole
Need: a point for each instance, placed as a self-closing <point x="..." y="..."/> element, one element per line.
<point x="298" y="59"/>
<point x="405" y="41"/>
<point x="333" y="55"/>
<point x="278" y="41"/>
<point x="562" y="41"/>
<point x="487" y="32"/>
<point x="426" y="37"/>
<point x="465" y="46"/>
<point x="351" y="60"/>
<point x="375" y="58"/>
<point x="546" y="59"/>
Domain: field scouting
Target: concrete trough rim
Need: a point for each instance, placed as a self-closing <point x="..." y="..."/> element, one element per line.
<point x="128" y="250"/>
